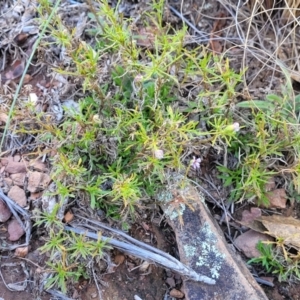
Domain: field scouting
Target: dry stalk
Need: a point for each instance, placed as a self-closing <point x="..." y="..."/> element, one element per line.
<point x="143" y="251"/>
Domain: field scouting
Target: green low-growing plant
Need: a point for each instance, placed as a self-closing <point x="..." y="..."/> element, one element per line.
<point x="276" y="259"/>
<point x="138" y="118"/>
<point x="275" y="105"/>
<point x="61" y="275"/>
<point x="68" y="252"/>
<point x="269" y="147"/>
<point x="49" y="220"/>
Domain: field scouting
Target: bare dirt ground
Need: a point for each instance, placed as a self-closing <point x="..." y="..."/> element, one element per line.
<point x="126" y="279"/>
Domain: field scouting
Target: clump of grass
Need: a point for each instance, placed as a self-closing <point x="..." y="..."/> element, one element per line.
<point x="278" y="260"/>
<point x="67" y="251"/>
<point x="128" y="131"/>
<point x="268" y="148"/>
<point x="117" y="147"/>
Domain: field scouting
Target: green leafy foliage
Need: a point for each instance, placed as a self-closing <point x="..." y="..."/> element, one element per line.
<point x="276" y="260"/>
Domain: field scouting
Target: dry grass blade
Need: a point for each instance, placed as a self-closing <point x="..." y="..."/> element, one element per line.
<point x="292" y="10"/>
<point x="268" y="33"/>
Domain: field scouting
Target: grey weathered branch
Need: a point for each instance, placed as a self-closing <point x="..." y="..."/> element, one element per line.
<point x="146" y="252"/>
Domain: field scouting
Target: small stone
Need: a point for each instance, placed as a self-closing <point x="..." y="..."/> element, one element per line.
<point x="15" y="230"/>
<point x="13" y="167"/>
<point x="35" y="196"/>
<point x="18" y="179"/>
<point x="119" y="259"/>
<point x="249" y="216"/>
<point x="38" y="165"/>
<point x="8" y="181"/>
<point x="68" y="217"/>
<point x="21" y="252"/>
<point x="176" y="294"/>
<point x="5" y="213"/>
<point x="37" y="181"/>
<point x="277" y="198"/>
<point x="170" y="282"/>
<point x="27" y="78"/>
<point x="247" y="242"/>
<point x="18" y="195"/>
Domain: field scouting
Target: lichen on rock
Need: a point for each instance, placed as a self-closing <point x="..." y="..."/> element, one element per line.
<point x="204" y="244"/>
<point x="177" y="196"/>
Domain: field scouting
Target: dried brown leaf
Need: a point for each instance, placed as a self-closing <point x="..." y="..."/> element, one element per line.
<point x="286" y="228"/>
<point x="14" y="71"/>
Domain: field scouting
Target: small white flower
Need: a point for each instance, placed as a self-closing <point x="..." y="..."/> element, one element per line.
<point x="137" y="81"/>
<point x="195" y="163"/>
<point x="159" y="154"/>
<point x="96" y="119"/>
<point x="236" y="126"/>
<point x="138" y="78"/>
<point x="33" y="98"/>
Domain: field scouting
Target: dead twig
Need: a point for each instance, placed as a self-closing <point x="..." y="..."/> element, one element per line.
<point x="146" y="252"/>
<point x="203" y="35"/>
<point x="96" y="282"/>
<point x="58" y="294"/>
